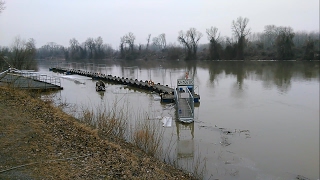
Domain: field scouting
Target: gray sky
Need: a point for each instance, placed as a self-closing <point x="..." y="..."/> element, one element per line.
<point x="60" y="20"/>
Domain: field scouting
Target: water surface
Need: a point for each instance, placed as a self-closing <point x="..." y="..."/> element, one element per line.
<point x="256" y="119"/>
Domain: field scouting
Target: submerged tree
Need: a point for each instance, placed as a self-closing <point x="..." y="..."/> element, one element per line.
<point x="50" y="50"/>
<point x="160" y="41"/>
<point x="240" y="31"/>
<point x="74" y="51"/>
<point x="284" y="43"/>
<point x="230" y="51"/>
<point x="4" y="52"/>
<point x="91" y="46"/>
<point x="127" y="52"/>
<point x="22" y="54"/>
<point x="190" y="41"/>
<point x="213" y="37"/>
<point x="122" y="48"/>
<point x="270" y="34"/>
<point x="98" y="48"/>
<point x="129" y="39"/>
<point x="148" y="42"/>
<point x="309" y="50"/>
<point x="174" y="52"/>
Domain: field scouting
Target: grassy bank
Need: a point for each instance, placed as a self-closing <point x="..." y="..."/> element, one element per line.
<point x="39" y="141"/>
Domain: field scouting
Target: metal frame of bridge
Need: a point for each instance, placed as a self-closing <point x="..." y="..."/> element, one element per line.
<point x="183" y="95"/>
<point x="25" y="79"/>
<point x="184" y="100"/>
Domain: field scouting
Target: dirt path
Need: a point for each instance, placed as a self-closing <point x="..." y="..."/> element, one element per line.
<point x="38" y="141"/>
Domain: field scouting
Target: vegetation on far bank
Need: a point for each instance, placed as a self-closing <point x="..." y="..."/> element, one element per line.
<point x="275" y="42"/>
<point x="39" y="141"/>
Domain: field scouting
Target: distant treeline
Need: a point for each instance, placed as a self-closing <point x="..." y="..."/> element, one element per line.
<point x="275" y="42"/>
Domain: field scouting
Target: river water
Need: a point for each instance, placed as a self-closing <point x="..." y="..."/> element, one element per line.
<point x="256" y="119"/>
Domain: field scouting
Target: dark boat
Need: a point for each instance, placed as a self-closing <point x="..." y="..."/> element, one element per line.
<point x="100" y="86"/>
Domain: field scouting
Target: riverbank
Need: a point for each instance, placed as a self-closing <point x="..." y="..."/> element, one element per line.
<point x="39" y="141"/>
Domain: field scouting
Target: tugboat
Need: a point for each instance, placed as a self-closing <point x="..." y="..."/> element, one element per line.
<point x="100" y="86"/>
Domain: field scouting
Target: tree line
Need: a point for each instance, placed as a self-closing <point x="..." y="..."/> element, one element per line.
<point x="275" y="42"/>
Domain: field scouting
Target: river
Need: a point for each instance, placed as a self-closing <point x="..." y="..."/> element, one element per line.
<point x="256" y="119"/>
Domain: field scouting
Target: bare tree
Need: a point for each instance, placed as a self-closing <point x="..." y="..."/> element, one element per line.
<point x="74" y="52"/>
<point x="74" y="44"/>
<point x="270" y="34"/>
<point x="280" y="41"/>
<point x="160" y="41"/>
<point x="127" y="39"/>
<point x="309" y="53"/>
<point x="51" y="50"/>
<point x="239" y="27"/>
<point x="108" y="51"/>
<point x="23" y="54"/>
<point x="240" y="31"/>
<point x="163" y="42"/>
<point x="300" y="38"/>
<point x="190" y="41"/>
<point x="91" y="46"/>
<point x="284" y="43"/>
<point x="98" y="42"/>
<point x="156" y="42"/>
<point x="2" y="7"/>
<point x="213" y="34"/>
<point x="148" y="41"/>
<point x="99" y="53"/>
<point x="122" y="47"/>
<point x="214" y="38"/>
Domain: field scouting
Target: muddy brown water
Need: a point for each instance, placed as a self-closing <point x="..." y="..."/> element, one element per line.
<point x="256" y="119"/>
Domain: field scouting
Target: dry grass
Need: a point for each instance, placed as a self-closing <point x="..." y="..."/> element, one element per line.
<point x="196" y="164"/>
<point x="199" y="166"/>
<point x="39" y="141"/>
<point x="143" y="133"/>
<point x="148" y="136"/>
<point x="112" y="123"/>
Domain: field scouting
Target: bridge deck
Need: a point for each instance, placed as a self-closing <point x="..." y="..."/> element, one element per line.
<point x="166" y="92"/>
<point x="185" y="109"/>
<point x="22" y="82"/>
<point x="121" y="80"/>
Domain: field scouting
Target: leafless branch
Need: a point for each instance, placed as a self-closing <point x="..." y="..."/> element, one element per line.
<point x="2" y="7"/>
<point x="239" y="27"/>
<point x="213" y="34"/>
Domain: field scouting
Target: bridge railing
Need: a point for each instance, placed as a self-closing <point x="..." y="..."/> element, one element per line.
<point x="41" y="77"/>
<point x="189" y="99"/>
<point x="176" y="97"/>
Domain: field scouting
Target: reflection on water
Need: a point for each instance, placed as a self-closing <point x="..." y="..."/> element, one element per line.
<point x="101" y="93"/>
<point x="277" y="102"/>
<point x="185" y="138"/>
<point x="271" y="73"/>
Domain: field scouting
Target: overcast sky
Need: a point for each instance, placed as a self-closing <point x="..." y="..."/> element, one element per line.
<point x="60" y="20"/>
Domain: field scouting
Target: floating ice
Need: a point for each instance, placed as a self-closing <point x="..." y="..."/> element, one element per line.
<point x="167" y="121"/>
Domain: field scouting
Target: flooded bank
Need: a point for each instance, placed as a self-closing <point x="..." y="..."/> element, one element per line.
<point x="256" y="120"/>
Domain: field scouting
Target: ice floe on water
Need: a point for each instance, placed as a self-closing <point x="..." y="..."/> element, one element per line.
<point x="167" y="121"/>
<point x="76" y="78"/>
<point x="156" y="97"/>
